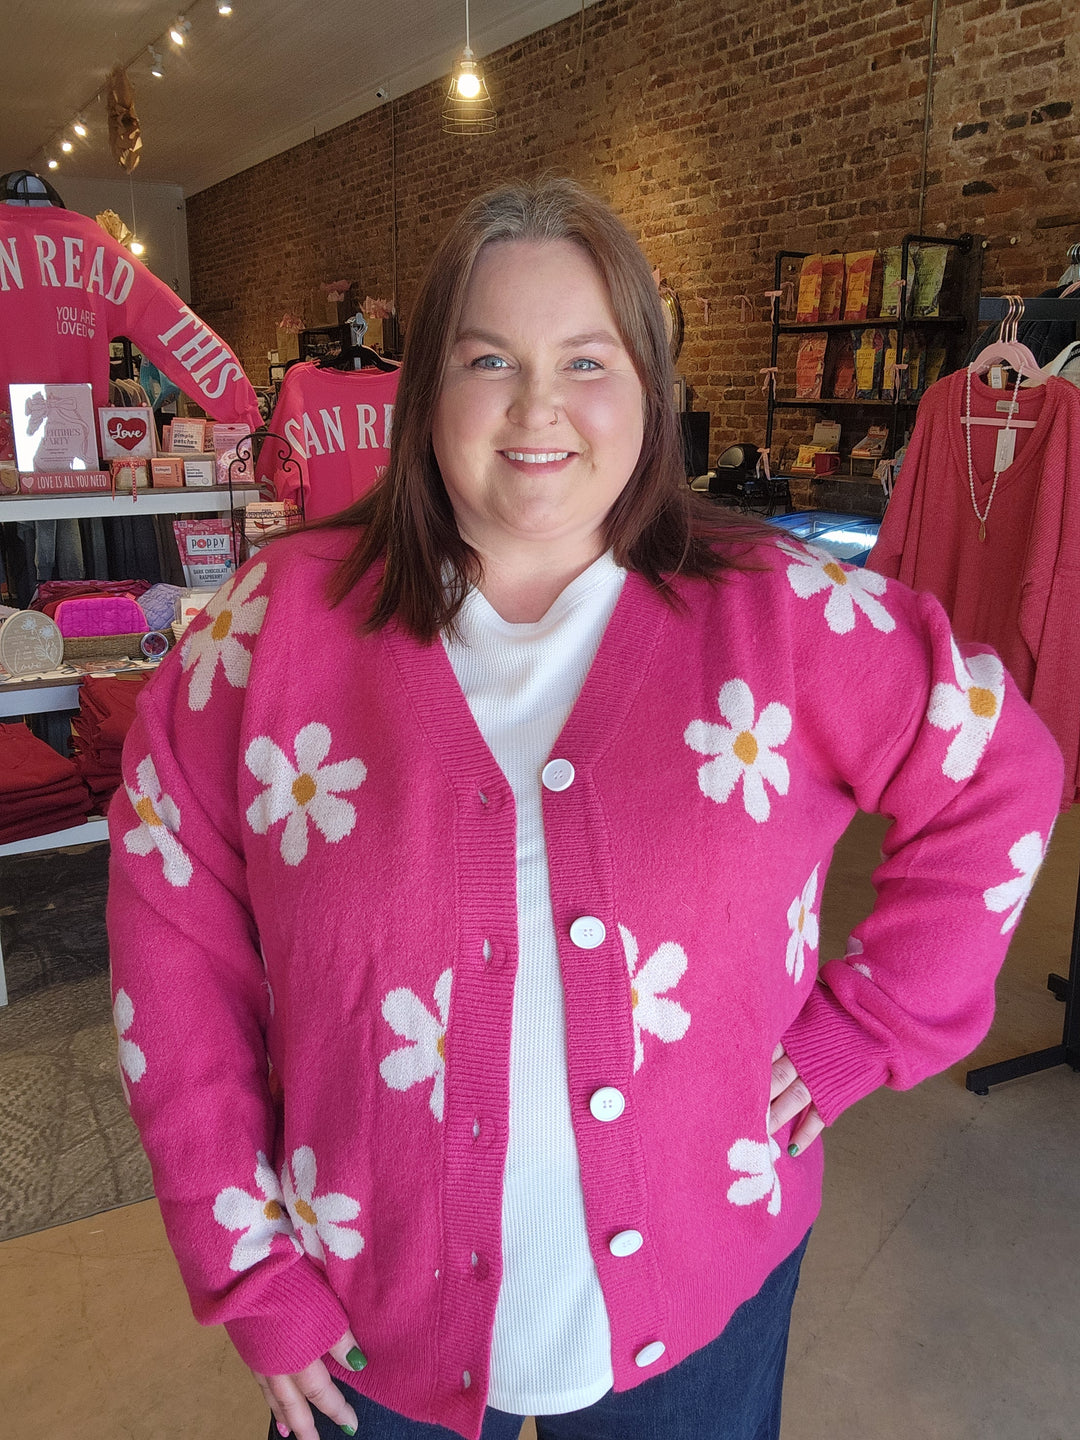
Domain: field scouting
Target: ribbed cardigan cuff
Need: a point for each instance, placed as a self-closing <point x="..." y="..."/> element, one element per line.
<point x="300" y="1318"/>
<point x="835" y="1057"/>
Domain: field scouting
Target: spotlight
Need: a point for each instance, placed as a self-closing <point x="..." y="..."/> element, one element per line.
<point x="156" y="67"/>
<point x="180" y="30"/>
<point x="66" y="146"/>
<point x="80" y="128"/>
<point x="54" y="164"/>
<point x="224" y="8"/>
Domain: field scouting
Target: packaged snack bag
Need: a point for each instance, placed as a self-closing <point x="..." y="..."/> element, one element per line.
<point x="207" y="552"/>
<point x="930" y="262"/>
<point x="862" y="284"/>
<point x="934" y="363"/>
<point x="809" y="302"/>
<point x="831" y="304"/>
<point x="890" y="279"/>
<point x="810" y="367"/>
<point x="840" y="366"/>
<point x="869" y="363"/>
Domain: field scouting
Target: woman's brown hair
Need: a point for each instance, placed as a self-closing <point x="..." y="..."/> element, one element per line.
<point x="655" y="527"/>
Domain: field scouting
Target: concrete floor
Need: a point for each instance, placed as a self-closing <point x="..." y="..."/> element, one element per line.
<point x="939" y="1294"/>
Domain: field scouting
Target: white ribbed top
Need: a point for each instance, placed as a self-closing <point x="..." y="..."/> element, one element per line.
<point x="552" y="1345"/>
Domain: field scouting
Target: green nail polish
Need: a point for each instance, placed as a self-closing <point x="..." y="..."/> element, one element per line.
<point x="793" y="1150"/>
<point x="348" y="1429"/>
<point x="356" y="1359"/>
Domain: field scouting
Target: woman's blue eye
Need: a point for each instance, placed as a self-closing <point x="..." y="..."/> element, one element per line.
<point x="488" y="362"/>
<point x="585" y="364"/>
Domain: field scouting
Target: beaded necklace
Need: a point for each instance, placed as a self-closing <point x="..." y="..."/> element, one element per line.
<point x="981" y="515"/>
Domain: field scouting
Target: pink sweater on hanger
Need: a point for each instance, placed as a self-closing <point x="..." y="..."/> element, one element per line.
<point x="67" y="289"/>
<point x="1019" y="590"/>
<point x="338" y="423"/>
<point x="313" y="936"/>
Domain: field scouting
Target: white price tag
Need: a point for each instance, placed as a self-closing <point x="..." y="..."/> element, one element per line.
<point x="997" y="377"/>
<point x="1006" y="449"/>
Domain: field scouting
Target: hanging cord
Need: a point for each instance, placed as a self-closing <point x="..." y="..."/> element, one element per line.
<point x="393" y="209"/>
<point x="928" y="111"/>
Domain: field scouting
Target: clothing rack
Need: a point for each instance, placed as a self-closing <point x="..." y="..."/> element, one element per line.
<point x="1066" y="988"/>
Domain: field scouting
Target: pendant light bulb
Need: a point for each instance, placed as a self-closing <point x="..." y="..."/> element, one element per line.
<point x="467" y="109"/>
<point x="468" y="82"/>
<point x="136" y="247"/>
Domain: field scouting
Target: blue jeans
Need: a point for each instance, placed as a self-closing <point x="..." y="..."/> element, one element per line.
<point x="727" y="1390"/>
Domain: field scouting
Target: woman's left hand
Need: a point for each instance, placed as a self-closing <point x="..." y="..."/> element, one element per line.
<point x="789" y="1097"/>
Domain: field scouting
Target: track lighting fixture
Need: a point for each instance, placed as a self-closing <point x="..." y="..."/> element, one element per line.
<point x="180" y="30"/>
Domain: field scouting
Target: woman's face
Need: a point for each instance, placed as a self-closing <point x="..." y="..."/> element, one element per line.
<point x="539" y="420"/>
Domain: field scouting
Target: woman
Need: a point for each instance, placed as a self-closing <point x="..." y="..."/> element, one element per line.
<point x="464" y="905"/>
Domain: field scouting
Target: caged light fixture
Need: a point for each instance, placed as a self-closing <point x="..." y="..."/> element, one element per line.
<point x="467" y="109"/>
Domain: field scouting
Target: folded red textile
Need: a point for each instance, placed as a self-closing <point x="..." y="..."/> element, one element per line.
<point x="27" y="763"/>
<point x="107" y="710"/>
<point x="15" y="811"/>
<point x="38" y="795"/>
<point x="44" y="824"/>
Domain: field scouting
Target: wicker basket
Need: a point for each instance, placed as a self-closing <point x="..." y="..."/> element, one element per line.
<point x="104" y="647"/>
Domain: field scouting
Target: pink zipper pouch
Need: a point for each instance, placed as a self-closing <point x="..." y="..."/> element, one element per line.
<point x="90" y="615"/>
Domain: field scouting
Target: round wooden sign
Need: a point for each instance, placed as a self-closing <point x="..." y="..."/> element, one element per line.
<point x="30" y="643"/>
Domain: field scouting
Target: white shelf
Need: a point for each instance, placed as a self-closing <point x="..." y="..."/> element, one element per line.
<point x="181" y="501"/>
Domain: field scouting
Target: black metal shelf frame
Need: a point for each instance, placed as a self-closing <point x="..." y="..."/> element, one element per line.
<point x="900" y="322"/>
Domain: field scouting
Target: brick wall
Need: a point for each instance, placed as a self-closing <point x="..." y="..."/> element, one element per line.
<point x="720" y="131"/>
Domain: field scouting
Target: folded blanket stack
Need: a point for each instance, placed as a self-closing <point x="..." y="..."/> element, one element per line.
<point x="40" y="791"/>
<point x="106" y="710"/>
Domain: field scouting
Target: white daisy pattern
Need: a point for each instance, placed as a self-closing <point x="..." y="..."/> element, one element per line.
<point x="302" y="791"/>
<point x="424" y="1058"/>
<point x="654" y="1015"/>
<point x="855" y="947"/>
<point x="745" y="750"/>
<point x="131" y="1058"/>
<point x="1026" y="856"/>
<point x="804" y="927"/>
<point x="755" y="1162"/>
<point x="849" y="589"/>
<point x="159" y="825"/>
<point x="260" y="1216"/>
<point x="235" y="610"/>
<point x="971" y="707"/>
<point x="320" y="1220"/>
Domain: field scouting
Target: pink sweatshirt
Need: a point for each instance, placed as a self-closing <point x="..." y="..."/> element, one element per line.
<point x="1019" y="589"/>
<point x="338" y="424"/>
<point x="67" y="288"/>
<point x="313" y="933"/>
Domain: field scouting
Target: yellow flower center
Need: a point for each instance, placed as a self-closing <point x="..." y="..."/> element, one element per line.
<point x="272" y="1210"/>
<point x="835" y="574"/>
<point x="440" y="1046"/>
<point x="222" y="625"/>
<point x="304" y="789"/>
<point x="306" y="1213"/>
<point x="144" y="808"/>
<point x="983" y="702"/>
<point x="633" y="997"/>
<point x="745" y="747"/>
<point x="802" y="917"/>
